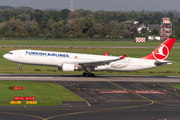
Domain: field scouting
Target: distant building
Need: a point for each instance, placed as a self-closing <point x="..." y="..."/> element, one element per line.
<point x="141" y="27"/>
<point x="136" y="22"/>
<point x="129" y="26"/>
<point x="154" y="37"/>
<point x="128" y="22"/>
<point x="165" y="28"/>
<point x="131" y="22"/>
<point x="153" y="26"/>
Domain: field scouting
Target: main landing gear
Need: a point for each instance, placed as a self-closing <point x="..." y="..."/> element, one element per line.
<point x="88" y="72"/>
<point x="20" y="67"/>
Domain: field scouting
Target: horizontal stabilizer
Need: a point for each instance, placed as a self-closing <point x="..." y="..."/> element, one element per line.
<point x="160" y="63"/>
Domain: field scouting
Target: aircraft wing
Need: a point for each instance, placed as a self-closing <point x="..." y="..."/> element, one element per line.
<point x="96" y="63"/>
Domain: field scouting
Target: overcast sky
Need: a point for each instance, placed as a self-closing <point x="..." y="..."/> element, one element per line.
<point x="94" y="5"/>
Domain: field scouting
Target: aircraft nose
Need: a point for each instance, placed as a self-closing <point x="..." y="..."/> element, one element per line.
<point x="5" y="56"/>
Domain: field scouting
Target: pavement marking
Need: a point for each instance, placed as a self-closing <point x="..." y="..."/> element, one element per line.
<point x="81" y="112"/>
<point x="121" y="90"/>
<point x="23" y="115"/>
<point x="147" y="111"/>
<point x="128" y="100"/>
<point x="98" y="110"/>
<point x="152" y="101"/>
<point x="105" y="109"/>
<point x="140" y="92"/>
<point x="166" y="101"/>
<point x="91" y="111"/>
<point x="166" y="104"/>
<point x="46" y="109"/>
<point x="113" y="92"/>
<point x="28" y="77"/>
<point x="143" y="101"/>
<point x="67" y="114"/>
<point x="149" y="92"/>
<point x="88" y="103"/>
<point x="130" y="91"/>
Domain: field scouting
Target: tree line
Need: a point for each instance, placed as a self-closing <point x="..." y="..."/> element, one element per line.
<point x="27" y="22"/>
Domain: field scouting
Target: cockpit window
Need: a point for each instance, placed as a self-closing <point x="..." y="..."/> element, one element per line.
<point x="10" y="53"/>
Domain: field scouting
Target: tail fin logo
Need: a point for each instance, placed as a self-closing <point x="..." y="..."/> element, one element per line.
<point x="161" y="53"/>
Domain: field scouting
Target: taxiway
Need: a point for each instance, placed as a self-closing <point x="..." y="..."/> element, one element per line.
<point x="107" y="97"/>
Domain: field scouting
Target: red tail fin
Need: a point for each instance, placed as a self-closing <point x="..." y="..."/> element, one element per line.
<point x="162" y="52"/>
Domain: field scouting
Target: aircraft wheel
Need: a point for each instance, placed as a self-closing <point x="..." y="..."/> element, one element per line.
<point x="92" y="75"/>
<point x="85" y="74"/>
<point x="20" y="68"/>
<point x="88" y="74"/>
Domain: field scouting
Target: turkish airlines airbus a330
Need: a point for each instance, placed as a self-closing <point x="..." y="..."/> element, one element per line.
<point x="75" y="61"/>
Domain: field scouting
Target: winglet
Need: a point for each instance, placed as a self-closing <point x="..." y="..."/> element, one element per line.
<point x="122" y="57"/>
<point x="106" y="54"/>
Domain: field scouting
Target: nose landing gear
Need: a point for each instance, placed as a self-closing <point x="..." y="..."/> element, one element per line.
<point x="20" y="67"/>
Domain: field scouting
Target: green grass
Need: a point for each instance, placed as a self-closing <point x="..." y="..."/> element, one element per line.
<point x="12" y="68"/>
<point x="44" y="92"/>
<point x="176" y="86"/>
<point x="80" y="43"/>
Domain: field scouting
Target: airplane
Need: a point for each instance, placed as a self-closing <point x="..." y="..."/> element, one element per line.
<point x="75" y="61"/>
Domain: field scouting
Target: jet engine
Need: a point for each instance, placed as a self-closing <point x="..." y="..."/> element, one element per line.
<point x="68" y="67"/>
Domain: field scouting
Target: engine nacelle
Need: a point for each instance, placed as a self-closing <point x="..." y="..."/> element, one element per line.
<point x="68" y="67"/>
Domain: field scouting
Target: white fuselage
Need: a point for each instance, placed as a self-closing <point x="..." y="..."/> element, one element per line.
<point x="57" y="59"/>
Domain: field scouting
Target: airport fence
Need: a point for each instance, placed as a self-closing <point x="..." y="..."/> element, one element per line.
<point x="78" y="39"/>
<point x="69" y="39"/>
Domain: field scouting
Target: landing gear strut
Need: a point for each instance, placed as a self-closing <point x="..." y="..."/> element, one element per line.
<point x="20" y="67"/>
<point x="88" y="72"/>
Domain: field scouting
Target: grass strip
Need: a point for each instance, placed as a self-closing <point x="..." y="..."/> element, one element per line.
<point x="81" y="43"/>
<point x="40" y="90"/>
<point x="176" y="86"/>
<point x="13" y="68"/>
